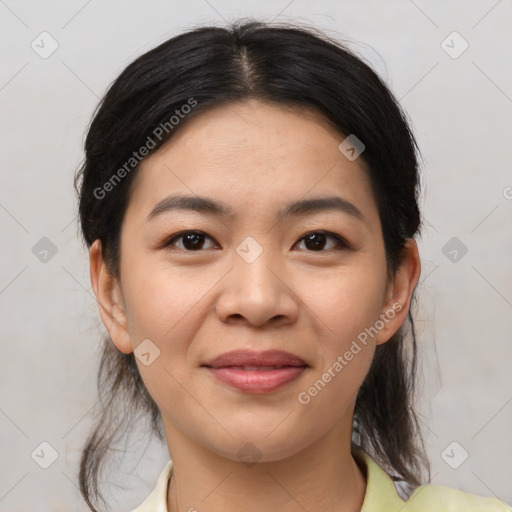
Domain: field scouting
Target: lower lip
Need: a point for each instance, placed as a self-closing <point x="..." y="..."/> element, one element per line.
<point x="257" y="381"/>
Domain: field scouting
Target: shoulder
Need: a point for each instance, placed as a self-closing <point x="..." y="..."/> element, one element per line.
<point x="382" y="496"/>
<point x="447" y="499"/>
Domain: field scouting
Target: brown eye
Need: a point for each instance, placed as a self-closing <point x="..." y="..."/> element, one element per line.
<point x="317" y="241"/>
<point x="190" y="240"/>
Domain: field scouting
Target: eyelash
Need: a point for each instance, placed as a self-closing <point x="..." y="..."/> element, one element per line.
<point x="342" y="243"/>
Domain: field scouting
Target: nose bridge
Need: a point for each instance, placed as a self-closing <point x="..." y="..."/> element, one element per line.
<point x="253" y="289"/>
<point x="252" y="263"/>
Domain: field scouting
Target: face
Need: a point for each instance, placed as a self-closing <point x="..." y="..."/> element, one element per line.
<point x="253" y="275"/>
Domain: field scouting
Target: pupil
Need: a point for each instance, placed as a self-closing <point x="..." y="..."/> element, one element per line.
<point x="320" y="241"/>
<point x="194" y="239"/>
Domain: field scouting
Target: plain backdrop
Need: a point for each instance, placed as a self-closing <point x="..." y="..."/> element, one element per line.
<point x="457" y="91"/>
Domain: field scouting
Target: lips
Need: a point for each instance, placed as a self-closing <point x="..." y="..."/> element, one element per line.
<point x="256" y="372"/>
<point x="255" y="361"/>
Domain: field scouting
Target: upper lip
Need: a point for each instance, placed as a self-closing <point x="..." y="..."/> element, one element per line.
<point x="254" y="358"/>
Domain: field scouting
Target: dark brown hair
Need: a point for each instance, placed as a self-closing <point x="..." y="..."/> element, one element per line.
<point x="285" y="64"/>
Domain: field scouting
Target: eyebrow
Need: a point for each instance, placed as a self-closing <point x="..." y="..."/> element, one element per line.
<point x="215" y="208"/>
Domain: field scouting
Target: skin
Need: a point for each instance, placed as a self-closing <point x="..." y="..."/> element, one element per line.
<point x="194" y="305"/>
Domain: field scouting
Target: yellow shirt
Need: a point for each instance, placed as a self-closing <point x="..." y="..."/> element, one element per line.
<point x="380" y="496"/>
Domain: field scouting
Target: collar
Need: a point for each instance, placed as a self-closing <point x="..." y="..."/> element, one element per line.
<point x="381" y="493"/>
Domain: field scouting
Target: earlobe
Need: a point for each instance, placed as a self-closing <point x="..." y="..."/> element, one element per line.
<point x="109" y="298"/>
<point x="399" y="292"/>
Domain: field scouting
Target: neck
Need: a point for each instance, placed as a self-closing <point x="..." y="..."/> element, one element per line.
<point x="323" y="476"/>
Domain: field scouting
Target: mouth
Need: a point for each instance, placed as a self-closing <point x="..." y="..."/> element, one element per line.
<point x="253" y="372"/>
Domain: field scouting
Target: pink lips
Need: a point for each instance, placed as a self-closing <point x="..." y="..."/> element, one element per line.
<point x="256" y="372"/>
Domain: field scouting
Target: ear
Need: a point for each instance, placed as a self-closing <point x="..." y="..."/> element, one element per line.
<point x="109" y="297"/>
<point x="399" y="292"/>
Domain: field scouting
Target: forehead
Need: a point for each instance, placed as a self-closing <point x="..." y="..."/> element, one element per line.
<point x="253" y="153"/>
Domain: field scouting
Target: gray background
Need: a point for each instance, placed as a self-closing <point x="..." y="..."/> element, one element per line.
<point x="461" y="113"/>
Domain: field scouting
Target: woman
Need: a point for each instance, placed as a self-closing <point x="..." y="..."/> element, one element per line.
<point x="249" y="200"/>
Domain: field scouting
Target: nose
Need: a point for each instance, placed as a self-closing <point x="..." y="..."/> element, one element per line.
<point x="257" y="293"/>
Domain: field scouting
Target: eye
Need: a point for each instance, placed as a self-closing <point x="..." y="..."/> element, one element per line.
<point x="316" y="241"/>
<point x="191" y="240"/>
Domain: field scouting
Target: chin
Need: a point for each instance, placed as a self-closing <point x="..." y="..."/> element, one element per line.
<point x="254" y="444"/>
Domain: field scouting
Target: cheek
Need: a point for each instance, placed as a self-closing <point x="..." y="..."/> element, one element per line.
<point x="344" y="303"/>
<point x="161" y="300"/>
<point x="167" y="306"/>
<point x="344" y="307"/>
